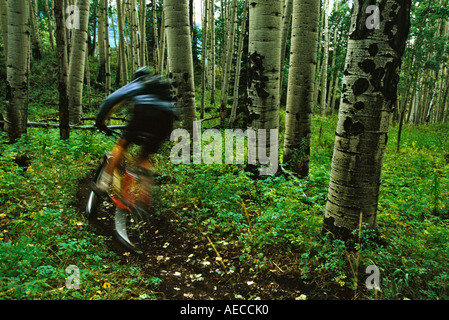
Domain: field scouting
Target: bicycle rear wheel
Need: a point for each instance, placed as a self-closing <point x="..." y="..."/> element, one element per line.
<point x="131" y="227"/>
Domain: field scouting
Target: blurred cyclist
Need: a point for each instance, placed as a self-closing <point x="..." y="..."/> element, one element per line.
<point x="152" y="116"/>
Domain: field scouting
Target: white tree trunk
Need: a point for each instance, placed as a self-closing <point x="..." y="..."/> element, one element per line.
<point x="77" y="63"/>
<point x="369" y="90"/>
<point x="301" y="84"/>
<point x="17" y="69"/>
<point x="180" y="59"/>
<point x="265" y="20"/>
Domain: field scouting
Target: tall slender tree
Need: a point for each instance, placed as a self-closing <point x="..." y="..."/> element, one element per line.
<point x="180" y="59"/>
<point x="323" y="106"/>
<point x="62" y="71"/>
<point x="373" y="61"/>
<point x="77" y="62"/>
<point x="238" y="66"/>
<point x="228" y="61"/>
<point x="122" y="45"/>
<point x="301" y="84"/>
<point x="4" y="25"/>
<point x="264" y="63"/>
<point x="17" y="70"/>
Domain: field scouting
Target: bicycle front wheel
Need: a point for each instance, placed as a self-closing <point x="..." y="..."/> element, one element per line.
<point x="94" y="200"/>
<point x="131" y="227"/>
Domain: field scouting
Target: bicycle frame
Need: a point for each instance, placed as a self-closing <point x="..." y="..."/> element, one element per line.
<point x="126" y="196"/>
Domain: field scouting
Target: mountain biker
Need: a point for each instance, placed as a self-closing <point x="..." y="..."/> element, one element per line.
<point x="152" y="116"/>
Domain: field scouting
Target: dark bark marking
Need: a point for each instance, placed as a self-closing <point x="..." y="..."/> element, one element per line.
<point x="373" y="49"/>
<point x="359" y="105"/>
<point x="360" y="86"/>
<point x="353" y="128"/>
<point x="367" y="65"/>
<point x="256" y="76"/>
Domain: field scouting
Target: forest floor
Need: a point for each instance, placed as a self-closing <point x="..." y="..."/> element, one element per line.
<point x="188" y="268"/>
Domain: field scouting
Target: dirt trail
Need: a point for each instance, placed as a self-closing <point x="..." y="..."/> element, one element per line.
<point x="188" y="267"/>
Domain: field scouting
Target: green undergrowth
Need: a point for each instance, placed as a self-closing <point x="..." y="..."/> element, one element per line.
<point x="274" y="224"/>
<point x="42" y="233"/>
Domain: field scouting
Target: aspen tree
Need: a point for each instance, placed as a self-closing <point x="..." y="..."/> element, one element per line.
<point x="238" y="66"/>
<point x="323" y="105"/>
<point x="101" y="43"/>
<point x="77" y="62"/>
<point x="286" y="20"/>
<point x="228" y="61"/>
<point x="142" y="31"/>
<point x="50" y="26"/>
<point x="161" y="58"/>
<point x="61" y="51"/>
<point x="4" y="24"/>
<point x="212" y="51"/>
<point x="264" y="63"/>
<point x="35" y="32"/>
<point x="204" y="54"/>
<point x="107" y="49"/>
<point x="135" y="44"/>
<point x="180" y="59"/>
<point x="17" y="71"/>
<point x="121" y="32"/>
<point x="369" y="95"/>
<point x="301" y="84"/>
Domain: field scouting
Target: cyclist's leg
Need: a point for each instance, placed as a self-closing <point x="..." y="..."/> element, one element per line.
<point x="114" y="160"/>
<point x="146" y="167"/>
<point x="116" y="155"/>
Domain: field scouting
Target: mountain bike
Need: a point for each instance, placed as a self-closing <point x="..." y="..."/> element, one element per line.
<point x="128" y="202"/>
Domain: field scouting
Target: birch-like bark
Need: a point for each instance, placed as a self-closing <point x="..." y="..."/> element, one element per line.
<point x="264" y="63"/>
<point x="301" y="84"/>
<point x="204" y="54"/>
<point x="323" y="100"/>
<point x="135" y="43"/>
<point x="162" y="45"/>
<point x="143" y="34"/>
<point x="211" y="66"/>
<point x="77" y="63"/>
<point x="180" y="59"/>
<point x="228" y="60"/>
<point x="50" y="26"/>
<point x="369" y="94"/>
<point x="286" y="20"/>
<point x="122" y="48"/>
<point x="101" y="43"/>
<point x="17" y="70"/>
<point x="64" y="125"/>
<point x="107" y="50"/>
<point x="238" y="66"/>
<point x="36" y="39"/>
<point x="4" y="24"/>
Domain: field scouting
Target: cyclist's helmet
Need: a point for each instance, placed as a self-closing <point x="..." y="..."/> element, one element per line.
<point x="143" y="71"/>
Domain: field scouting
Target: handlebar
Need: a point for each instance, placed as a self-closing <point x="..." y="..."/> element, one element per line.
<point x="110" y="130"/>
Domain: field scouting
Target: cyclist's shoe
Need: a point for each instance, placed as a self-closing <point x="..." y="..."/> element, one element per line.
<point x="103" y="185"/>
